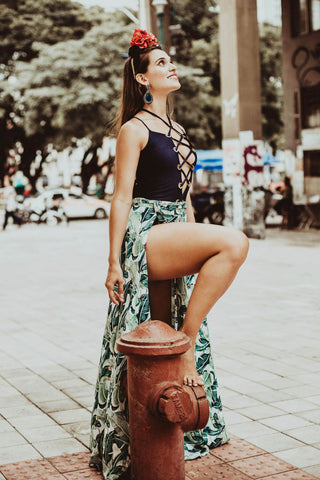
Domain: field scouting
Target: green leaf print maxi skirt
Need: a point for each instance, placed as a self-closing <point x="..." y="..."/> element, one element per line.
<point x="109" y="441"/>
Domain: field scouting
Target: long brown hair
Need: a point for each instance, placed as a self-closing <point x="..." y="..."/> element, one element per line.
<point x="132" y="91"/>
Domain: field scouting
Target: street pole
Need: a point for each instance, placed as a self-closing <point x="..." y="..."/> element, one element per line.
<point x="160" y="6"/>
<point x="241" y="116"/>
<point x="144" y="15"/>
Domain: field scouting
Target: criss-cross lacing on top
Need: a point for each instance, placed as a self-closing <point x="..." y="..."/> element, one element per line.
<point x="187" y="157"/>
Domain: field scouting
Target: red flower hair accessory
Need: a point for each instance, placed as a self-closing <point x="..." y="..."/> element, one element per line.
<point x="143" y="39"/>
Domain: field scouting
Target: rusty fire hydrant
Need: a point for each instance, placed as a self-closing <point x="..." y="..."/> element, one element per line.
<point x="161" y="408"/>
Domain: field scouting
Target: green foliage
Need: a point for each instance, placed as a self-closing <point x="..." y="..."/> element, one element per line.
<point x="65" y="79"/>
<point x="197" y="48"/>
<point x="24" y="22"/>
<point x="71" y="89"/>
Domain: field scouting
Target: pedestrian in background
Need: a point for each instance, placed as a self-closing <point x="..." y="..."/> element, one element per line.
<point x="287" y="204"/>
<point x="10" y="195"/>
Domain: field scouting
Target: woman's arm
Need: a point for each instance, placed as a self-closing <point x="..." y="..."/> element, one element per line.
<point x="129" y="144"/>
<point x="190" y="214"/>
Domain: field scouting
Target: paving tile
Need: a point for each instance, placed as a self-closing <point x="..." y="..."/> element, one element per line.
<point x="239" y="401"/>
<point x="294" y="406"/>
<point x="202" y="464"/>
<point x="5" y="426"/>
<point x="88" y="374"/>
<point x="61" y="446"/>
<point x="314" y="398"/>
<point x="309" y="434"/>
<point x="11" y="438"/>
<point x="245" y="430"/>
<point x="300" y="457"/>
<point x="236" y="449"/>
<point x="71" y="416"/>
<point x="311" y="415"/>
<point x="33" y="421"/>
<point x="32" y="469"/>
<point x="43" y="433"/>
<point x="285" y="422"/>
<point x="22" y="411"/>
<point x="223" y="471"/>
<point x="88" y="474"/>
<point x="285" y="383"/>
<point x="260" y="411"/>
<point x="74" y="382"/>
<point x="70" y="463"/>
<point x="13" y="400"/>
<point x="313" y="470"/>
<point x="58" y="405"/>
<point x="29" y="383"/>
<point x="292" y="475"/>
<point x="44" y="395"/>
<point x="76" y="392"/>
<point x="83" y="438"/>
<point x="55" y="372"/>
<point x="86" y="401"/>
<point x="261" y="466"/>
<point x="18" y="453"/>
<point x="232" y="417"/>
<point x="304" y="390"/>
<point x="271" y="396"/>
<point x="275" y="442"/>
<point x="78" y="428"/>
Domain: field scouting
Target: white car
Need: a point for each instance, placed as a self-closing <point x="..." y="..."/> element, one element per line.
<point x="74" y="203"/>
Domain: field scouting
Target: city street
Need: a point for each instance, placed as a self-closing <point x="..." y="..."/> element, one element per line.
<point x="265" y="333"/>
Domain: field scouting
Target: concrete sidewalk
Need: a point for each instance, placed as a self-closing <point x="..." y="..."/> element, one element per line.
<point x="265" y="333"/>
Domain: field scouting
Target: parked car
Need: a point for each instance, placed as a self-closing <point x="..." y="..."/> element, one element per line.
<point x="75" y="204"/>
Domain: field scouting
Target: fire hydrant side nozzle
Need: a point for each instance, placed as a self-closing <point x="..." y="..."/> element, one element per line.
<point x="161" y="408"/>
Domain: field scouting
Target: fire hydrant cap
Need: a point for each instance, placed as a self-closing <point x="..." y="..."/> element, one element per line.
<point x="153" y="338"/>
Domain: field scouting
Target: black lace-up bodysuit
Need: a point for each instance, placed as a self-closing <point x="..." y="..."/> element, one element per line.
<point x="165" y="165"/>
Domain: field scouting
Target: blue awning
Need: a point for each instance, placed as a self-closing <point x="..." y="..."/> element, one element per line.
<point x="209" y="159"/>
<point x="213" y="160"/>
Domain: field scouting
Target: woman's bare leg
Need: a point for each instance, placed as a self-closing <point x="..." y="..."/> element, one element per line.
<point x="215" y="253"/>
<point x="160" y="300"/>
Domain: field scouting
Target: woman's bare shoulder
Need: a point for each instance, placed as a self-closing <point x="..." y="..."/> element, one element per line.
<point x="134" y="131"/>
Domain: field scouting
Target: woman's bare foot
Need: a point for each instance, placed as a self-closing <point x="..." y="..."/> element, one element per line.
<point x="191" y="376"/>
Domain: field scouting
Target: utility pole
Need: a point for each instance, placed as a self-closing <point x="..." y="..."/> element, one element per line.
<point x="145" y="15"/>
<point x="241" y="116"/>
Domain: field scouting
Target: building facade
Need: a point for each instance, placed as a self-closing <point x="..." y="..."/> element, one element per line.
<point x="301" y="76"/>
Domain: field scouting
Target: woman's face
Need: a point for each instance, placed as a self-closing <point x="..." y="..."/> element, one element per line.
<point x="162" y="73"/>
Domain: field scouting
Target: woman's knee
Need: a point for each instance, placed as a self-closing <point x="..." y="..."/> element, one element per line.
<point x="236" y="246"/>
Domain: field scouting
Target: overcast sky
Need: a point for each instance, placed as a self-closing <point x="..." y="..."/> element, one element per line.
<point x="110" y="4"/>
<point x="267" y="11"/>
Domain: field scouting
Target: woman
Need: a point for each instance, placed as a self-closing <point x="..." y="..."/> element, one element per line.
<point x="155" y="250"/>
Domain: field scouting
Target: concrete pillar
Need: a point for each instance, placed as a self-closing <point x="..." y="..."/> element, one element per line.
<point x="153" y="16"/>
<point x="145" y="15"/>
<point x="241" y="116"/>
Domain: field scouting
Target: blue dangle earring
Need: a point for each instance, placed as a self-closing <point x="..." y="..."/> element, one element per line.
<point x="147" y="97"/>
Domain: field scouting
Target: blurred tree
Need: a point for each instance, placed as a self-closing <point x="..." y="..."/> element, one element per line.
<point x="196" y="45"/>
<point x="25" y="22"/>
<point x="68" y="91"/>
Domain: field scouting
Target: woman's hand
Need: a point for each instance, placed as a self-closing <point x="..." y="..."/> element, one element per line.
<point x="115" y="278"/>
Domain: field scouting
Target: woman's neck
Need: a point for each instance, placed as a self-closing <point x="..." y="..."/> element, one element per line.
<point x="158" y="106"/>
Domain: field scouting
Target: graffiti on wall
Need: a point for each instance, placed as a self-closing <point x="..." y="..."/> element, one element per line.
<point x="231" y="106"/>
<point x="253" y="166"/>
<point x="303" y="60"/>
